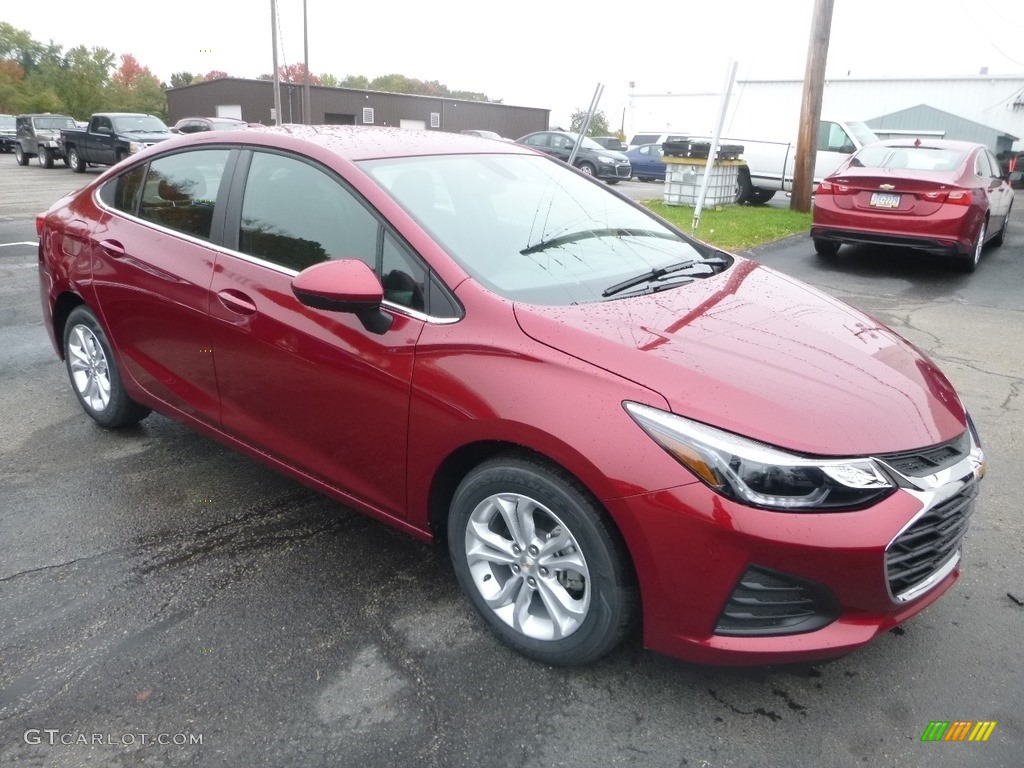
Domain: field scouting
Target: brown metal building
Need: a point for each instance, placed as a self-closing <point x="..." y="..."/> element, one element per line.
<point x="253" y="101"/>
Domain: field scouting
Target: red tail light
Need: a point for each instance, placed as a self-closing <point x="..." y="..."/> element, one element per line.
<point x="825" y="188"/>
<point x="959" y="197"/>
<point x="40" y="224"/>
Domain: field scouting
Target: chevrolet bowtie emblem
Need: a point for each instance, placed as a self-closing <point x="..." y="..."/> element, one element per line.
<point x="886" y="187"/>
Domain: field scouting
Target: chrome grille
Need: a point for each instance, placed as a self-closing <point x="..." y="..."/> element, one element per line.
<point x="928" y="543"/>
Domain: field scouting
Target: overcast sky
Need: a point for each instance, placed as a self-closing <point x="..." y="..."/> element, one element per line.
<point x="545" y="54"/>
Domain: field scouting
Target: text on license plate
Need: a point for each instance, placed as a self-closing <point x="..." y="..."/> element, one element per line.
<point x="885" y="200"/>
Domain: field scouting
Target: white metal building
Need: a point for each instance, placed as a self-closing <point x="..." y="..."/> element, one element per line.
<point x="770" y="109"/>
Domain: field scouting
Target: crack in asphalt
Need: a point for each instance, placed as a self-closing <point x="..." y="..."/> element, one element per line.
<point x="773" y="716"/>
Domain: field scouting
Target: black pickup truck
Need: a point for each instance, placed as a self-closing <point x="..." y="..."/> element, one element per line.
<point x="111" y="137"/>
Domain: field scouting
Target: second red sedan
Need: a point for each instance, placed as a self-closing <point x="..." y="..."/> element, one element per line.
<point x="945" y="197"/>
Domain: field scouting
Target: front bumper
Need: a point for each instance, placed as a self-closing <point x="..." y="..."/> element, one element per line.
<point x="694" y="552"/>
<point x="623" y="171"/>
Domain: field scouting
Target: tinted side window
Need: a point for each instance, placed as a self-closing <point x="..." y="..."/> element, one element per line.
<point x="181" y="190"/>
<point x="295" y="215"/>
<point x="540" y="140"/>
<point x="403" y="277"/>
<point x="122" y="192"/>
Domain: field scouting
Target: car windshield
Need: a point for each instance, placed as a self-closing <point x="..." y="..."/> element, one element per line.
<point x="923" y="158"/>
<point x="53" y="123"/>
<point x="139" y="124"/>
<point x="532" y="230"/>
<point x="587" y="142"/>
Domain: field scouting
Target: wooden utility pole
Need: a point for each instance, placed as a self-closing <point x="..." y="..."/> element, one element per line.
<point x="810" y="107"/>
<point x="307" y="107"/>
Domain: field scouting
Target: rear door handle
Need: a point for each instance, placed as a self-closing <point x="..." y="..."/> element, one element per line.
<point x="237" y="302"/>
<point x="113" y="248"/>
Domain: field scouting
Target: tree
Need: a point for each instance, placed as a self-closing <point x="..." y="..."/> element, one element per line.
<point x="181" y="79"/>
<point x="82" y="79"/>
<point x="362" y="82"/>
<point x="214" y="74"/>
<point x="133" y="88"/>
<point x="329" y="80"/>
<point x="598" y="125"/>
<point x="295" y="73"/>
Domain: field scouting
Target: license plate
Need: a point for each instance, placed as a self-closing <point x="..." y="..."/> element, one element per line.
<point x="885" y="200"/>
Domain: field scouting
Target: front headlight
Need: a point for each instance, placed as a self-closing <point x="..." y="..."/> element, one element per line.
<point x="135" y="146"/>
<point x="605" y="160"/>
<point x="760" y="475"/>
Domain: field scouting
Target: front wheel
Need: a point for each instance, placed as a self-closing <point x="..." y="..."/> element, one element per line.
<point x="75" y="161"/>
<point x="541" y="564"/>
<point x="94" y="374"/>
<point x="587" y="168"/>
<point x="743" y="187"/>
<point x="45" y="157"/>
<point x="20" y="156"/>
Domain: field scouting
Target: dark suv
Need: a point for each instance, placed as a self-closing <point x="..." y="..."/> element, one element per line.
<point x="591" y="158"/>
<point x="37" y="137"/>
<point x="6" y="133"/>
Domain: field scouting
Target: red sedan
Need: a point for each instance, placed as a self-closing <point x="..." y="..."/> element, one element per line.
<point x="944" y="197"/>
<point x="605" y="421"/>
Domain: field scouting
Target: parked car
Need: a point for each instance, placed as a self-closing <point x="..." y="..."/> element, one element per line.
<point x="37" y="136"/>
<point x="604" y="420"/>
<point x="610" y="142"/>
<point x="7" y="133"/>
<point x="591" y="158"/>
<point x="481" y="134"/>
<point x="653" y="137"/>
<point x="110" y="138"/>
<point x="942" y="197"/>
<point x="198" y="124"/>
<point x="647" y="162"/>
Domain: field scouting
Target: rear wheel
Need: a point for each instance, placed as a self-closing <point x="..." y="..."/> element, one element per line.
<point x="75" y="161"/>
<point x="94" y="374"/>
<point x="999" y="238"/>
<point x="760" y="196"/>
<point x="744" y="188"/>
<point x="538" y="559"/>
<point x="826" y="248"/>
<point x="20" y="156"/>
<point x="969" y="262"/>
<point x="45" y="157"/>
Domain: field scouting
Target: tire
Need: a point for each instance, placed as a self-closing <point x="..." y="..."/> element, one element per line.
<point x="94" y="375"/>
<point x="611" y="181"/>
<point x="539" y="561"/>
<point x="587" y="168"/>
<point x="20" y="156"/>
<point x="969" y="261"/>
<point x="1001" y="236"/>
<point x="743" y="187"/>
<point x="45" y="157"/>
<point x="760" y="196"/>
<point x="75" y="160"/>
<point x="826" y="248"/>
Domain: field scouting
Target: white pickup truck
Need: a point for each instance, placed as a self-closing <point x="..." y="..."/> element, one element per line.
<point x="770" y="163"/>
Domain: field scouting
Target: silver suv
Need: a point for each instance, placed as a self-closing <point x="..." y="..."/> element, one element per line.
<point x="37" y="137"/>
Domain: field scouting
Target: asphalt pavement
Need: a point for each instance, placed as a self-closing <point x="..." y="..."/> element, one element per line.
<point x="165" y="601"/>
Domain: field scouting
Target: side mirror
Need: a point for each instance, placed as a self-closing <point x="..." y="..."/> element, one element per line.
<point x="1014" y="177"/>
<point x="345" y="285"/>
<point x="103" y="129"/>
<point x="174" y="130"/>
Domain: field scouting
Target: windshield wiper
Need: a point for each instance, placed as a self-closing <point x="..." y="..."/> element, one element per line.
<point x="666" y="273"/>
<point x="587" y="234"/>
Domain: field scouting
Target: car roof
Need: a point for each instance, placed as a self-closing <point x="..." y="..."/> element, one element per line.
<point x="353" y="142"/>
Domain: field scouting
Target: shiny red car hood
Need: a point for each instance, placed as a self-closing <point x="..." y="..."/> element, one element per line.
<point x="757" y="353"/>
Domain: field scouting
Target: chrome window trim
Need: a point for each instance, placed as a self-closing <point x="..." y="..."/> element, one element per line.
<point x="390" y="305"/>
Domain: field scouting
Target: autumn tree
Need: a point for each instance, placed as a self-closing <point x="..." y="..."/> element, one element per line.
<point x="213" y="74"/>
<point x="134" y="88"/>
<point x="295" y="73"/>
